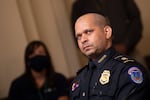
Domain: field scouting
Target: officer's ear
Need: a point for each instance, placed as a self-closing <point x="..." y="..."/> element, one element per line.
<point x="108" y="32"/>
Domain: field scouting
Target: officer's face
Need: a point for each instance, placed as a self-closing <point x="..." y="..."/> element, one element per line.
<point x="91" y="37"/>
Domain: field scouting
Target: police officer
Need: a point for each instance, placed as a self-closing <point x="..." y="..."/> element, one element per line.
<point x="108" y="75"/>
<point x="125" y="18"/>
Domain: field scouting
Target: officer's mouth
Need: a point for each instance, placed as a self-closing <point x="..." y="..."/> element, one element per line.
<point x="87" y="47"/>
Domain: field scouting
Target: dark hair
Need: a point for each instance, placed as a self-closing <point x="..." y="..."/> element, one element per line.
<point x="30" y="50"/>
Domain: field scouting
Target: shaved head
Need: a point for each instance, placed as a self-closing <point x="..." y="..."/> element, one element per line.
<point x="97" y="19"/>
<point x="93" y="34"/>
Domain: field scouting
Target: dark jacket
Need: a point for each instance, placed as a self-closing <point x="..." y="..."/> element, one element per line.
<point x="23" y="88"/>
<point x="111" y="77"/>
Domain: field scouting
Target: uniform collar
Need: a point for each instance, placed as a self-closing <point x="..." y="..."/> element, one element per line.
<point x="102" y="58"/>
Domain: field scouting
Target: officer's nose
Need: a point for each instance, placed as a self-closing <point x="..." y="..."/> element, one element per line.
<point x="84" y="38"/>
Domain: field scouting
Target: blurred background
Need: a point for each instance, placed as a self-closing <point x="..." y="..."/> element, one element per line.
<point x="22" y="21"/>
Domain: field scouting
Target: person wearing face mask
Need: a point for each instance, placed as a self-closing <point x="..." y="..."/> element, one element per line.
<point x="39" y="81"/>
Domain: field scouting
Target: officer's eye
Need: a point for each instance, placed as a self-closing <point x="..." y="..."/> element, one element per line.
<point x="78" y="36"/>
<point x="89" y="31"/>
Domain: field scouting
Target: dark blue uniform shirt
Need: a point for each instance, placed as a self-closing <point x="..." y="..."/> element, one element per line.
<point x="111" y="77"/>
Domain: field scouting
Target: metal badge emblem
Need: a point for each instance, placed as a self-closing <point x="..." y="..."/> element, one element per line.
<point x="104" y="79"/>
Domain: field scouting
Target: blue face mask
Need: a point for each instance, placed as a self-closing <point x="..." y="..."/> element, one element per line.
<point x="39" y="62"/>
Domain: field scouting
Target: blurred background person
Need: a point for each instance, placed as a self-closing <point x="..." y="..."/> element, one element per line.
<point x="124" y="16"/>
<point x="39" y="81"/>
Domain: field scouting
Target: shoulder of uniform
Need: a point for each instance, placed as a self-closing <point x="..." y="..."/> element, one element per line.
<point x="134" y="69"/>
<point x="80" y="70"/>
<point x="125" y="59"/>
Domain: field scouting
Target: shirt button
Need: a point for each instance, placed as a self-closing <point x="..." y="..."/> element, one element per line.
<point x="100" y="92"/>
<point x="95" y="83"/>
<point x="83" y="94"/>
<point x="93" y="87"/>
